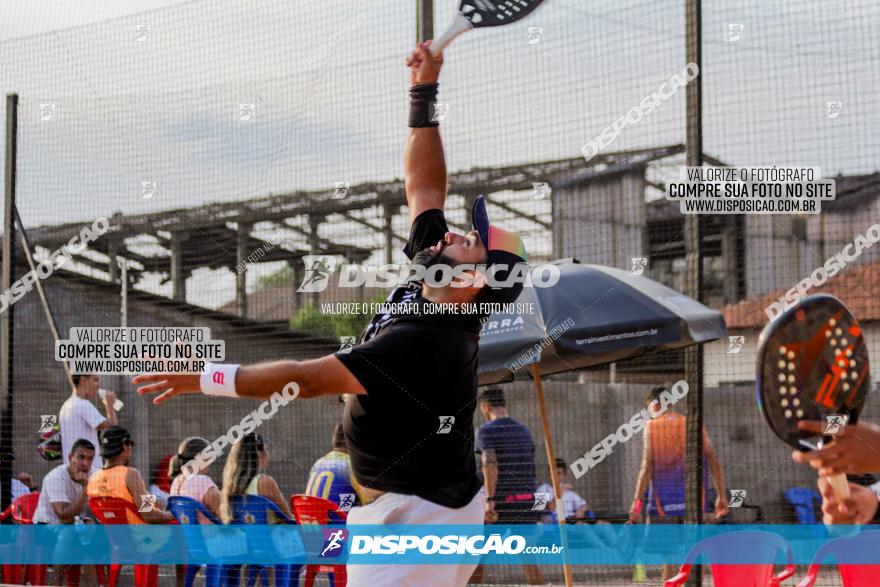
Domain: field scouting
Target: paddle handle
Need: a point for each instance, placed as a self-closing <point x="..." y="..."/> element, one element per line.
<point x="840" y="486"/>
<point x="459" y="25"/>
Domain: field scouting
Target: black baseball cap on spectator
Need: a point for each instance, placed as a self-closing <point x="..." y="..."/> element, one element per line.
<point x="113" y="441"/>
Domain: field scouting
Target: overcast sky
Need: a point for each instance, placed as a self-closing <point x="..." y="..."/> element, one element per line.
<point x="150" y="91"/>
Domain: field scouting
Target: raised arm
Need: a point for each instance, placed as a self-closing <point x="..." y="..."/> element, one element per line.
<point x="424" y="164"/>
<point x="313" y="378"/>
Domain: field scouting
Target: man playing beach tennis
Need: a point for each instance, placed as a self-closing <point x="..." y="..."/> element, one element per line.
<point x="409" y="423"/>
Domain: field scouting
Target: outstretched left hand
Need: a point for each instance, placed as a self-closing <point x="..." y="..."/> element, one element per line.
<point x="168" y="385"/>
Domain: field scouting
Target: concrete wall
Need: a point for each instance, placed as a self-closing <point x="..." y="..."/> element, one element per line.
<point x="296" y="437"/>
<point x="602" y="222"/>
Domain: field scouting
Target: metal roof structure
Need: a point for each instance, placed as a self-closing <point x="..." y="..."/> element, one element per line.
<point x="221" y="235"/>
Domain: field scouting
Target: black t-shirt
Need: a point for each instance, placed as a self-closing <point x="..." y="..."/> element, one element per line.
<point x="514" y="453"/>
<point x="413" y="431"/>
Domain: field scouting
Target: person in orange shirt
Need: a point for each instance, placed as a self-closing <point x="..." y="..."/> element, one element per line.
<point x="663" y="469"/>
<point x="118" y="479"/>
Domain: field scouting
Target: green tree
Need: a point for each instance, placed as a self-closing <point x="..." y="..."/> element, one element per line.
<point x="311" y="320"/>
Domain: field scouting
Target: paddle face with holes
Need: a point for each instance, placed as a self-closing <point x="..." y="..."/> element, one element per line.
<point x="485" y="13"/>
<point x="482" y="13"/>
<point x="812" y="363"/>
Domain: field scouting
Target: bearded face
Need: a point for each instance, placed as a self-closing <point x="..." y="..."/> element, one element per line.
<point x="428" y="257"/>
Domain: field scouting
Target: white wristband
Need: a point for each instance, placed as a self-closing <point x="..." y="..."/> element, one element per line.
<point x="219" y="379"/>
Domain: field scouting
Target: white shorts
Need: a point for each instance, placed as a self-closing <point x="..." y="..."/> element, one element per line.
<point x="394" y="508"/>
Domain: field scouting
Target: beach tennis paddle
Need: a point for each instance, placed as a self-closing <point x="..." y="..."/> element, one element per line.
<point x="474" y="14"/>
<point x="812" y="365"/>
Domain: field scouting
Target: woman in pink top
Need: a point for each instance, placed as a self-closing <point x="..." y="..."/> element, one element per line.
<point x="200" y="487"/>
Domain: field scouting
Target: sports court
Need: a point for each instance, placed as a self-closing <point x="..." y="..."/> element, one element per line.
<point x="247" y="161"/>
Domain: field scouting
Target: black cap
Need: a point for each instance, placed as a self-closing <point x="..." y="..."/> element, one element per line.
<point x="113" y="440"/>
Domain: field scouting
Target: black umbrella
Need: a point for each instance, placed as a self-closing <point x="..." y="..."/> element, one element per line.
<point x="593" y="315"/>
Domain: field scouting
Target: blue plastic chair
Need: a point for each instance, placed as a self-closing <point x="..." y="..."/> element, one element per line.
<point x="803" y="500"/>
<point x="254" y="509"/>
<point x="186" y="510"/>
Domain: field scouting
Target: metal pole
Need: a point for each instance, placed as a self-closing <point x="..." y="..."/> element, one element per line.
<point x="6" y="322"/>
<point x="424" y="20"/>
<point x="123" y="306"/>
<point x="693" y="358"/>
<point x="44" y="300"/>
<point x="123" y="313"/>
<point x="551" y="461"/>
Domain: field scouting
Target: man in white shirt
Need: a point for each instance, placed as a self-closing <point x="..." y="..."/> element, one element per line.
<point x="79" y="418"/>
<point x="62" y="496"/>
<point x="575" y="505"/>
<point x="19" y="489"/>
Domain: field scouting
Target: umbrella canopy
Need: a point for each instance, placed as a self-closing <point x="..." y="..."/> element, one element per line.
<point x="593" y="315"/>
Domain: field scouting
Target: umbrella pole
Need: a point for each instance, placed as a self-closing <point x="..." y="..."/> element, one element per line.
<point x="551" y="459"/>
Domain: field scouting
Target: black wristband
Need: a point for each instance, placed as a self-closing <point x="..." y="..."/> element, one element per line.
<point x="422" y="101"/>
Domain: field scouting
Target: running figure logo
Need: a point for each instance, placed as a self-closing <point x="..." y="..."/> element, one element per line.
<point x="541" y="501"/>
<point x="341" y="190"/>
<point x="46" y="111"/>
<point x="540" y="190"/>
<point x="346" y="501"/>
<point x="834" y="423"/>
<point x="346" y="344"/>
<point x="639" y="264"/>
<point x="317" y="275"/>
<point x="334" y="540"/>
<point x="48" y="422"/>
<point x="535" y="35"/>
<point x="148" y="503"/>
<point x="735" y="344"/>
<point x="832" y="109"/>
<point x="246" y="112"/>
<point x="737" y="497"/>
<point x="141" y="32"/>
<point x="440" y="112"/>
<point x="734" y="32"/>
<point x="446" y="423"/>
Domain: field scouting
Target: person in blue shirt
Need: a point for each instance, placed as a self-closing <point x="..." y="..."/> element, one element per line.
<point x="508" y="462"/>
<point x="331" y="478"/>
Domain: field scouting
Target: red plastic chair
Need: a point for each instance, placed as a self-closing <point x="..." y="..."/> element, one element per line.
<point x="22" y="512"/>
<point x="865" y="546"/>
<point x="763" y="544"/>
<point x="314" y="510"/>
<point x="73" y="572"/>
<point x="112" y="510"/>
